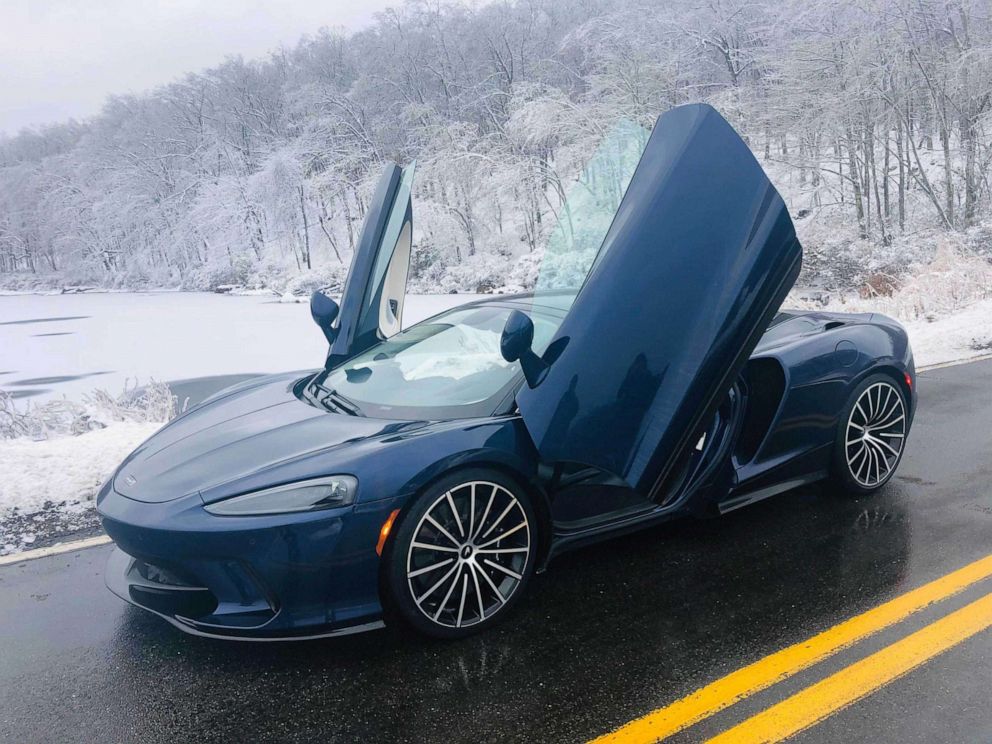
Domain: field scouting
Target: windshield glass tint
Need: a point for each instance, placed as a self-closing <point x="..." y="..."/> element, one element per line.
<point x="587" y="213"/>
<point x="450" y="360"/>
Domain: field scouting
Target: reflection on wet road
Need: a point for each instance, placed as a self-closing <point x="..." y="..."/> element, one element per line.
<point x="607" y="635"/>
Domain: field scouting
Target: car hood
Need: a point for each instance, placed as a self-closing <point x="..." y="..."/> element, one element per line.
<point x="243" y="431"/>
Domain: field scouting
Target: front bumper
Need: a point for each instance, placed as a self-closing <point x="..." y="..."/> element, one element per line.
<point x="282" y="577"/>
<point x="121" y="580"/>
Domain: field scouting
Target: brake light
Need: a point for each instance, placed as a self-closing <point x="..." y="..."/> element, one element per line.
<point x="384" y="531"/>
<point x="909" y="380"/>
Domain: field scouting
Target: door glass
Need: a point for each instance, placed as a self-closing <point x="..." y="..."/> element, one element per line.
<point x="588" y="211"/>
<point x="394" y="285"/>
<point x="391" y="237"/>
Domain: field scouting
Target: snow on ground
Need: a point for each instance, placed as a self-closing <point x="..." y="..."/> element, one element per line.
<point x="963" y="335"/>
<point x="60" y="474"/>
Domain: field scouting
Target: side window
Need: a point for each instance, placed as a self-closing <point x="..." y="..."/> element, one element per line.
<point x="394" y="286"/>
<point x="392" y="265"/>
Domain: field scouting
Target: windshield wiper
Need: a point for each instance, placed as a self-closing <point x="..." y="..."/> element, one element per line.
<point x="332" y="400"/>
<point x="346" y="405"/>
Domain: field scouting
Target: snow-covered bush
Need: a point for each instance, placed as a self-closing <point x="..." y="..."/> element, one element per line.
<point x="479" y="274"/>
<point x="949" y="282"/>
<point x="978" y="240"/>
<point x="330" y="279"/>
<point x="426" y="267"/>
<point x="522" y="277"/>
<point x="210" y="277"/>
<point x="152" y="403"/>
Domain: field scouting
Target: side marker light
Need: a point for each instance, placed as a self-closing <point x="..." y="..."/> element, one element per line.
<point x="387" y="526"/>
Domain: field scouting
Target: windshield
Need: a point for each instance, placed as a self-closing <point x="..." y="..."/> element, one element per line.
<point x="444" y="367"/>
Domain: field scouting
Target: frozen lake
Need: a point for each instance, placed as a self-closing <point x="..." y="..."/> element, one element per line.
<point x="54" y="345"/>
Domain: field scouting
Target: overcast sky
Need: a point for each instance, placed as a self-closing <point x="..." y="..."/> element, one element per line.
<point x="61" y="58"/>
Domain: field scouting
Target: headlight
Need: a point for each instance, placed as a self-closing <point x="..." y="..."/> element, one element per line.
<point x="309" y="495"/>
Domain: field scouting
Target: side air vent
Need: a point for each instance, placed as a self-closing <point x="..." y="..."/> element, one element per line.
<point x="765" y="383"/>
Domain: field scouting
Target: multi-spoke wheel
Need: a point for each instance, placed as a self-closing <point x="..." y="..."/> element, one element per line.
<point x="462" y="554"/>
<point x="872" y="435"/>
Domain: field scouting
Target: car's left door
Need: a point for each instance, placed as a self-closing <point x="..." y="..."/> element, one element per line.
<point x="375" y="290"/>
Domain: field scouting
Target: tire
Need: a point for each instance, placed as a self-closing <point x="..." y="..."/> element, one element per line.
<point x="865" y="462"/>
<point x="462" y="554"/>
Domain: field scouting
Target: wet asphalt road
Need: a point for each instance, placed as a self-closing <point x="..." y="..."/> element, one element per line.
<point x="607" y="634"/>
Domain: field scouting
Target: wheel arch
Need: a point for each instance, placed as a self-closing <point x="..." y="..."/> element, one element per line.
<point x="898" y="375"/>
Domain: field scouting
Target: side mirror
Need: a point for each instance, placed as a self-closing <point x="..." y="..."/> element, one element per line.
<point x="515" y="345"/>
<point x="324" y="312"/>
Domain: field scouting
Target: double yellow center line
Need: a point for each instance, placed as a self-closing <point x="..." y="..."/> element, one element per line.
<point x="811" y="705"/>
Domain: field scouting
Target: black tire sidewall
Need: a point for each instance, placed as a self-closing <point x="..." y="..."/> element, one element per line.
<point x="399" y="601"/>
<point x="840" y="471"/>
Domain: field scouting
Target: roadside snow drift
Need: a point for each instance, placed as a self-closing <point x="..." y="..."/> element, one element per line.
<point x="48" y="486"/>
<point x="66" y="470"/>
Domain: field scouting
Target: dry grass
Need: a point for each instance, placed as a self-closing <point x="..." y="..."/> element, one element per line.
<point x="149" y="403"/>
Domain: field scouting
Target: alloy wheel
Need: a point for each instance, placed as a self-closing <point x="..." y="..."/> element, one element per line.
<point x="876" y="431"/>
<point x="469" y="554"/>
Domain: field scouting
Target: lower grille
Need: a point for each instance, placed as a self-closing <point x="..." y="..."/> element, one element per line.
<point x="163" y="590"/>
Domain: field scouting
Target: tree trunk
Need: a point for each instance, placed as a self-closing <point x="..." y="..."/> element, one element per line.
<point x="968" y="144"/>
<point x="854" y="176"/>
<point x="902" y="175"/>
<point x="945" y="142"/>
<point x="306" y="229"/>
<point x="885" y="173"/>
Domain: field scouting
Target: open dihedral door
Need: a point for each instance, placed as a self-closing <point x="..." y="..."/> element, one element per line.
<point x="698" y="257"/>
<point x="374" y="293"/>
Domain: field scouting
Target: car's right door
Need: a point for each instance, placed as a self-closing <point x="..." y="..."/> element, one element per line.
<point x="696" y="259"/>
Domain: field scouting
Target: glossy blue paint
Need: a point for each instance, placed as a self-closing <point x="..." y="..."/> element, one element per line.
<point x="819" y="381"/>
<point x="313" y="569"/>
<point x="700" y="255"/>
<point x="297" y="575"/>
<point x="654" y="345"/>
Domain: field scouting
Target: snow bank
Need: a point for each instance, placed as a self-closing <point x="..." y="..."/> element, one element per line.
<point x="964" y="335"/>
<point x="54" y="456"/>
<point x="66" y="470"/>
<point x="60" y="474"/>
<point x="153" y="402"/>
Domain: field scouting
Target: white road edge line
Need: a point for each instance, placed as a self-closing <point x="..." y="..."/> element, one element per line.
<point x="955" y="362"/>
<point x="29" y="555"/>
<point x="92" y="542"/>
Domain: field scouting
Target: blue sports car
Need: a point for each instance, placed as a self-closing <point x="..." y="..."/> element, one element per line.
<point x="425" y="474"/>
